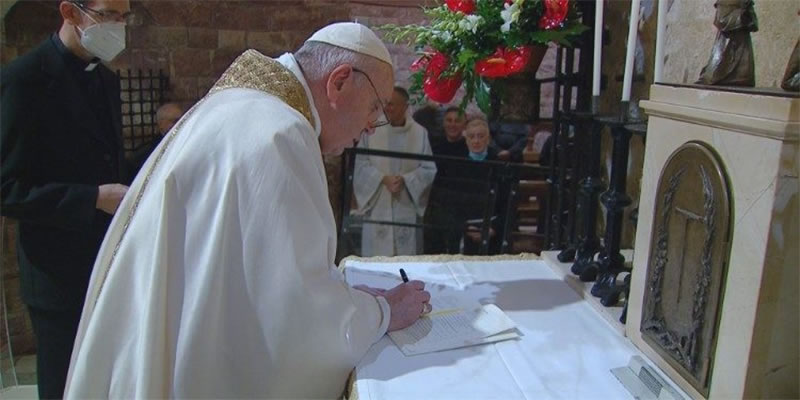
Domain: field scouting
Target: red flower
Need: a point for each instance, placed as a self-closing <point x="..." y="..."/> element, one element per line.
<point x="421" y="63"/>
<point x="465" y="6"/>
<point x="438" y="89"/>
<point x="504" y="62"/>
<point x="555" y="11"/>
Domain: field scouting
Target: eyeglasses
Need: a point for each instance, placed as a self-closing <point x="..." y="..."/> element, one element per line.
<point x="107" y="16"/>
<point x="377" y="123"/>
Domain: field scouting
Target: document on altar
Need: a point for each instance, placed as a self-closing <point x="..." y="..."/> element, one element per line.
<point x="454" y="328"/>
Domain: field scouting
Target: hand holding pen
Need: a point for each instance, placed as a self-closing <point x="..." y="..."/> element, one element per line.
<point x="408" y="301"/>
<point x="426" y="306"/>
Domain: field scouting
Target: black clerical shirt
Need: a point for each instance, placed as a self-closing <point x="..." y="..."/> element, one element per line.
<point x="87" y="74"/>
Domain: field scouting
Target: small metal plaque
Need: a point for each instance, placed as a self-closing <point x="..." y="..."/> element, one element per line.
<point x="689" y="252"/>
<point x="644" y="383"/>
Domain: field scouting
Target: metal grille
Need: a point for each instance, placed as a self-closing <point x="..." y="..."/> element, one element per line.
<point x="141" y="92"/>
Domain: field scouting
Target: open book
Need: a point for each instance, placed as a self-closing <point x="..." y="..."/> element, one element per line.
<point x="454" y="328"/>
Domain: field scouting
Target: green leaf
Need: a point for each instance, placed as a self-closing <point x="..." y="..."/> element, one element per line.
<point x="466" y="56"/>
<point x="483" y="97"/>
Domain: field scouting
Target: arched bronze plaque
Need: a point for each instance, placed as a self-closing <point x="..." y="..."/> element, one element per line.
<point x="689" y="253"/>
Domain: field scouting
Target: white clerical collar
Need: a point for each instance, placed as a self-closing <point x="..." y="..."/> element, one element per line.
<point x="288" y="61"/>
<point x="402" y="128"/>
<point x="92" y="64"/>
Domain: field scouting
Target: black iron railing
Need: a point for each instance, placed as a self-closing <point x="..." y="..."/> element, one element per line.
<point x="483" y="195"/>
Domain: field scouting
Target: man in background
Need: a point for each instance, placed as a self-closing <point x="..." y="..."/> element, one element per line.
<point x="62" y="162"/>
<point x="452" y="142"/>
<point x="443" y="216"/>
<point x="166" y="117"/>
<point x="476" y="192"/>
<point x="431" y="117"/>
<point x="509" y="140"/>
<point x="393" y="189"/>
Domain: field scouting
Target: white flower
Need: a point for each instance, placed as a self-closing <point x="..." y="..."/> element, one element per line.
<point x="510" y="14"/>
<point x="470" y="23"/>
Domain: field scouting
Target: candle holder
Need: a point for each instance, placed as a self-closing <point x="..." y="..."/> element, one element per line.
<point x="611" y="262"/>
<point x="567" y="121"/>
<point x="587" y="205"/>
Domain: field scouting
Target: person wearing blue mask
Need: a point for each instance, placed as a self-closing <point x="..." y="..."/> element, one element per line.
<point x="62" y="164"/>
<point x="478" y="137"/>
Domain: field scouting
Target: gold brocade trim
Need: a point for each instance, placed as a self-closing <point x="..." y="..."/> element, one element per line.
<point x="350" y="392"/>
<point x="251" y="70"/>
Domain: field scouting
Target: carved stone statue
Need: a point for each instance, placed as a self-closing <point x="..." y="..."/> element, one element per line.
<point x="791" y="78"/>
<point x="731" y="62"/>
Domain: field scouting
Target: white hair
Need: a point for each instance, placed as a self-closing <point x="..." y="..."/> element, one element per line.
<point x="319" y="59"/>
<point x="477" y="122"/>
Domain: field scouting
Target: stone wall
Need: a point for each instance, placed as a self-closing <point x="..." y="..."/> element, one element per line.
<point x="372" y="14"/>
<point x="191" y="41"/>
<point x="195" y="41"/>
<point x="25" y="25"/>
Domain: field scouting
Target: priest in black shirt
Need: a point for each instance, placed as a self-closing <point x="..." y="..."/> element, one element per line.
<point x="62" y="168"/>
<point x="444" y="235"/>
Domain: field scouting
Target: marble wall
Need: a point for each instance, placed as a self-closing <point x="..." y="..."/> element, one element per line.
<point x="756" y="139"/>
<point x="689" y="36"/>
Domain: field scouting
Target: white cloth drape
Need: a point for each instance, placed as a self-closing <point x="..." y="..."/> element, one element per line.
<point x="223" y="284"/>
<point x="377" y="203"/>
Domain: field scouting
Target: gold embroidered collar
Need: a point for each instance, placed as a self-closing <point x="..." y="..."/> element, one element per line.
<point x="253" y="70"/>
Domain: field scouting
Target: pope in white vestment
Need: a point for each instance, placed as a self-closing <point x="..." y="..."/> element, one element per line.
<point x="375" y="200"/>
<point x="216" y="279"/>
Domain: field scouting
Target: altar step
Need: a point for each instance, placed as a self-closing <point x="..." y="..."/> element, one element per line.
<point x="610" y="314"/>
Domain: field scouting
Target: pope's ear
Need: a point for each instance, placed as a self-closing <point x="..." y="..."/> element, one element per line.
<point x="336" y="84"/>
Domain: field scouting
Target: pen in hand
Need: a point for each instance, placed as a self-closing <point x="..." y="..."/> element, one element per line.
<point x="426" y="308"/>
<point x="403" y="275"/>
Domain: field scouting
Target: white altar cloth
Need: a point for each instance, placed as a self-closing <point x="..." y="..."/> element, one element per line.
<point x="566" y="350"/>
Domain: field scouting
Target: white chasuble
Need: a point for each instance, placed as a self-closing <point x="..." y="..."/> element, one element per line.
<point x="377" y="203"/>
<point x="216" y="278"/>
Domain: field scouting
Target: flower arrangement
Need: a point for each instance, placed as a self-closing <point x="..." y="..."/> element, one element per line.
<point x="471" y="42"/>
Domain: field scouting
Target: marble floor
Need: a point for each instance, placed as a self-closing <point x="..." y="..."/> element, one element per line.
<point x="24" y="386"/>
<point x="24" y="392"/>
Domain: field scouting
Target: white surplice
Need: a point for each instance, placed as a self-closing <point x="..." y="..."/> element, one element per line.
<point x="375" y="201"/>
<point x="216" y="278"/>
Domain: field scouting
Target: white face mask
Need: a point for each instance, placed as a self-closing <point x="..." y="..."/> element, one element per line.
<point x="104" y="40"/>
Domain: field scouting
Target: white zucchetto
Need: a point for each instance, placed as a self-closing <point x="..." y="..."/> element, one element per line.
<point x="353" y="36"/>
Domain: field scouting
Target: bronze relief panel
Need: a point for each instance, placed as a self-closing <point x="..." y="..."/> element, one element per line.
<point x="688" y="259"/>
